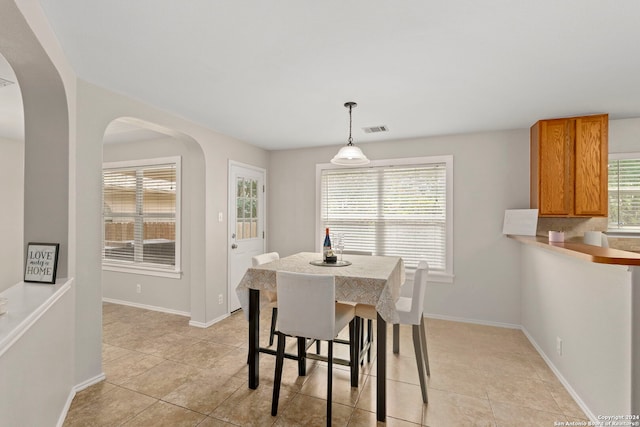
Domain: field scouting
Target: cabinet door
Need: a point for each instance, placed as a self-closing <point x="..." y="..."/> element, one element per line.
<point x="591" y="193"/>
<point x="555" y="180"/>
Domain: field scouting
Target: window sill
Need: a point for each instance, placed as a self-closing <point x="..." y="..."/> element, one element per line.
<point x="143" y="270"/>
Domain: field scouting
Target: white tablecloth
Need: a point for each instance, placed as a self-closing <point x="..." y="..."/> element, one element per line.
<point x="374" y="280"/>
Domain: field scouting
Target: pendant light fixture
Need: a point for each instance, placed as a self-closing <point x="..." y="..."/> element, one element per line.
<point x="350" y="155"/>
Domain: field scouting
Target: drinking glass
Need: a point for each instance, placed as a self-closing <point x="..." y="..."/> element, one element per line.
<point x="340" y="244"/>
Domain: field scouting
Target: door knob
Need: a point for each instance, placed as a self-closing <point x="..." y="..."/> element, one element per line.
<point x="234" y="246"/>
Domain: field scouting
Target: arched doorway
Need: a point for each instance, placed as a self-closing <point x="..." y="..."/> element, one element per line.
<point x="12" y="175"/>
<point x="46" y="136"/>
<point x="154" y="259"/>
<point x="50" y="338"/>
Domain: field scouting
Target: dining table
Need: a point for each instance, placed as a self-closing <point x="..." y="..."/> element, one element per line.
<point x="373" y="280"/>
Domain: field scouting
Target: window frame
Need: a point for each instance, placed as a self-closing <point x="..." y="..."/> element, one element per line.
<point x="617" y="231"/>
<point x="149" y="269"/>
<point x="443" y="277"/>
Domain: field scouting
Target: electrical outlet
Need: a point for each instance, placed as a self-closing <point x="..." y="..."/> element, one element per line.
<point x="220" y="299"/>
<point x="139" y="288"/>
<point x="559" y="345"/>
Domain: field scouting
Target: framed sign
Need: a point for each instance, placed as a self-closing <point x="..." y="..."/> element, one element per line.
<point x="41" y="263"/>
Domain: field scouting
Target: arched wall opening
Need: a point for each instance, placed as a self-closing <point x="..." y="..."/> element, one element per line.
<point x="12" y="177"/>
<point x="47" y="335"/>
<point x="46" y="135"/>
<point x="129" y="140"/>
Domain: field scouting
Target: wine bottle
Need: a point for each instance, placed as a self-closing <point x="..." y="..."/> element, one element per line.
<point x="326" y="246"/>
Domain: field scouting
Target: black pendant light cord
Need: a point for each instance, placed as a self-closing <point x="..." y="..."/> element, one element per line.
<point x="350" y="105"/>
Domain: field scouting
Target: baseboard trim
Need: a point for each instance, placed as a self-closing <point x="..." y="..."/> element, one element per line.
<point x="474" y="321"/>
<point x="169" y="311"/>
<point x="74" y="390"/>
<point x="562" y="380"/>
<point x="147" y="307"/>
<point x="89" y="382"/>
<point x="209" y="323"/>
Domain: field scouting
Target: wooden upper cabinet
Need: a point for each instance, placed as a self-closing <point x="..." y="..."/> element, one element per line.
<point x="591" y="164"/>
<point x="569" y="166"/>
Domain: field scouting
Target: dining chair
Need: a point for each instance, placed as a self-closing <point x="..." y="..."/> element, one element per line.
<point x="272" y="297"/>
<point x="308" y="310"/>
<point x="410" y="310"/>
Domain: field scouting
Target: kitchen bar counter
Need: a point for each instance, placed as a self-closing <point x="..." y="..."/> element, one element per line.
<point x="586" y="252"/>
<point x="37" y="349"/>
<point x="589" y="300"/>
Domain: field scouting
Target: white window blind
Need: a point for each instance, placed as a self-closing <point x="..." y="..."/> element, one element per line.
<point x="389" y="210"/>
<point x="141" y="214"/>
<point x="624" y="194"/>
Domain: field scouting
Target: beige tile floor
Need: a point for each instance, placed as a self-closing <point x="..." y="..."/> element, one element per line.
<point x="162" y="372"/>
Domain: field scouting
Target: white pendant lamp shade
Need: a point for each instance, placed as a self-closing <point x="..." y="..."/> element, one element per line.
<point x="350" y="155"/>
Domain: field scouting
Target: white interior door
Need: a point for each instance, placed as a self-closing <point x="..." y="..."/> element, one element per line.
<point x="246" y="223"/>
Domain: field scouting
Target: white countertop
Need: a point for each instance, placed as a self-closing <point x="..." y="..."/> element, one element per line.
<point x="27" y="302"/>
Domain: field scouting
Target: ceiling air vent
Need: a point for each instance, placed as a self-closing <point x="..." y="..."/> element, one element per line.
<point x="4" y="82"/>
<point x="374" y="129"/>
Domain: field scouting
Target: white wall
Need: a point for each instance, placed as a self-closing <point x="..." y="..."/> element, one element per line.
<point x="587" y="305"/>
<point x="11" y="214"/>
<point x="168" y="294"/>
<point x="624" y="136"/>
<point x="491" y="174"/>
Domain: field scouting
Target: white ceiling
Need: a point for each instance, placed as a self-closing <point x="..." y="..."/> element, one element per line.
<point x="276" y="73"/>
